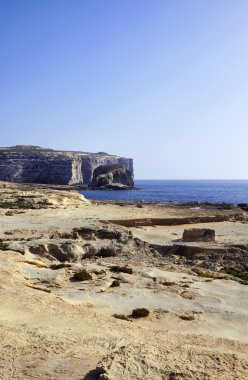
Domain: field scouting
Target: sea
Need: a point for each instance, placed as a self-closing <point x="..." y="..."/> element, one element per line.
<point x="211" y="191"/>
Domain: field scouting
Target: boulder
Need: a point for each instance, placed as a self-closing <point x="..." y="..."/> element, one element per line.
<point x="107" y="176"/>
<point x="199" y="234"/>
<point x="65" y="252"/>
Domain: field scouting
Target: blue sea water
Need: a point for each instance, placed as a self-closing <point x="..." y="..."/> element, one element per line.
<point x="213" y="191"/>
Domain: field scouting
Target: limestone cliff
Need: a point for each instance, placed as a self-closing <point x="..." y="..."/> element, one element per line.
<point x="31" y="164"/>
<point x="112" y="175"/>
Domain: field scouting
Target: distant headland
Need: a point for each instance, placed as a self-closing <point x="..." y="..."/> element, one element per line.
<point x="35" y="164"/>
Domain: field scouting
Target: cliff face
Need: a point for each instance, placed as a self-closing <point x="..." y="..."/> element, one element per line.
<point x="32" y="164"/>
<point x="93" y="161"/>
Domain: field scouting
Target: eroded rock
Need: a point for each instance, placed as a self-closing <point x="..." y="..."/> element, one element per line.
<point x="68" y="251"/>
<point x="112" y="175"/>
<point x="199" y="234"/>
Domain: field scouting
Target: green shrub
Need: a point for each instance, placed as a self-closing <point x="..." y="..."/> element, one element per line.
<point x="237" y="273"/>
<point x="201" y="273"/>
<point x="3" y="246"/>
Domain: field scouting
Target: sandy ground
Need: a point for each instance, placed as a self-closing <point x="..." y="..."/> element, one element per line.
<point x="54" y="328"/>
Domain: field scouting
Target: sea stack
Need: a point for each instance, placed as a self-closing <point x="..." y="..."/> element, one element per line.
<point x="112" y="176"/>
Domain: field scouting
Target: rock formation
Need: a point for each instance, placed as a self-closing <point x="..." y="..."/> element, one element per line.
<point x="84" y="297"/>
<point x="199" y="234"/>
<point x="15" y="196"/>
<point x="32" y="164"/>
<point x="112" y="176"/>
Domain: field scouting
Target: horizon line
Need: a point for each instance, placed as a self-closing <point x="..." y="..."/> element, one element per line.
<point x="191" y="179"/>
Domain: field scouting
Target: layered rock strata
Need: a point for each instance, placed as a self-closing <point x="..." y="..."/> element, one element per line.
<point x="31" y="164"/>
<point x="199" y="234"/>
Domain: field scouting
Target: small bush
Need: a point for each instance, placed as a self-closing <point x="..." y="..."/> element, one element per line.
<point x="121" y="316"/>
<point x="140" y="313"/>
<point x="118" y="269"/>
<point x="82" y="275"/>
<point x="201" y="273"/>
<point x="3" y="246"/>
<point x="115" y="283"/>
<point x="237" y="273"/>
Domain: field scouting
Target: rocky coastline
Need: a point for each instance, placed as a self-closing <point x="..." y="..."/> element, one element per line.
<point x="33" y="164"/>
<point x="121" y="290"/>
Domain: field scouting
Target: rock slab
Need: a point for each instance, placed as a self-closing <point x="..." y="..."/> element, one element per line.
<point x="199" y="234"/>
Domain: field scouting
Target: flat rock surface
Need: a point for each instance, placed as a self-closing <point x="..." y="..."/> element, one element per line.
<point x="53" y="327"/>
<point x="226" y="233"/>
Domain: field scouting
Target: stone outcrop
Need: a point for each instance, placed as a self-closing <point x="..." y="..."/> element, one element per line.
<point x="15" y="196"/>
<point x="199" y="234"/>
<point x="112" y="175"/>
<point x="90" y="161"/>
<point x="31" y="164"/>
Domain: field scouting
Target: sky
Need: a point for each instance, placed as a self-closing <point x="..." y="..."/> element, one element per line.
<point x="162" y="81"/>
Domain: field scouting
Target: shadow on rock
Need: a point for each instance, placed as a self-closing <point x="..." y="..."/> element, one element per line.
<point x="91" y="375"/>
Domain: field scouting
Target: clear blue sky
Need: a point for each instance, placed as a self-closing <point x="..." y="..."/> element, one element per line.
<point x="162" y="81"/>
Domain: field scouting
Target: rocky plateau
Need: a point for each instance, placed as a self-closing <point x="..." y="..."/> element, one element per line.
<point x="111" y="290"/>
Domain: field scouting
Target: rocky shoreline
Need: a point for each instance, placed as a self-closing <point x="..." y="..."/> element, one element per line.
<point x="113" y="290"/>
